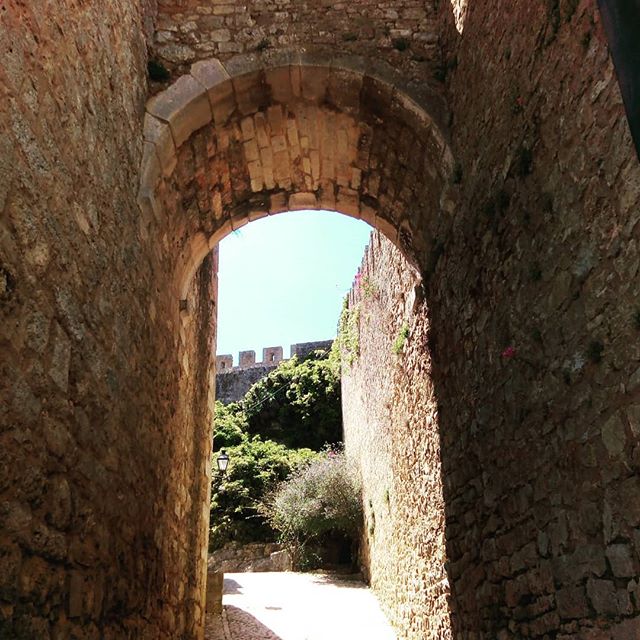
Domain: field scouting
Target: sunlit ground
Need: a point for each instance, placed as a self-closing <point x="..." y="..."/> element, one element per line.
<point x="298" y="606"/>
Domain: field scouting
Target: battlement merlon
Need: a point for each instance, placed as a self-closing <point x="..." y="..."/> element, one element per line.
<point x="271" y="356"/>
<point x="246" y="359"/>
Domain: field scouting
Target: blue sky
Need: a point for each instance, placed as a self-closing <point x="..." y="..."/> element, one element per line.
<point x="282" y="279"/>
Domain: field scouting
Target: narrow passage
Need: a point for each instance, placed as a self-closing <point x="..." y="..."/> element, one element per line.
<point x="297" y="606"/>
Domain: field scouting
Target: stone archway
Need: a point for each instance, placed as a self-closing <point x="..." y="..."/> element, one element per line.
<point x="243" y="140"/>
<point x="230" y="143"/>
<point x="105" y="336"/>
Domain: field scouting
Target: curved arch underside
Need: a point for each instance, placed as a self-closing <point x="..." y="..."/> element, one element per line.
<point x="227" y="144"/>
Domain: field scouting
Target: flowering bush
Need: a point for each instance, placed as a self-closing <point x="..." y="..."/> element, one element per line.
<point x="318" y="499"/>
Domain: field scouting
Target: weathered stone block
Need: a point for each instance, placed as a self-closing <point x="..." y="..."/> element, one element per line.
<point x="184" y="106"/>
<point x="613" y="434"/>
<point x="279" y="81"/>
<point x="586" y="561"/>
<point x="60" y="357"/>
<point x="314" y="82"/>
<point x="627" y="503"/>
<point x="159" y="134"/>
<point x="572" y="602"/>
<point x="58" y="503"/>
<point x="215" y="582"/>
<point x="343" y="90"/>
<point x="210" y="74"/>
<point x="76" y="594"/>
<point x="302" y="201"/>
<point x="151" y="169"/>
<point x="621" y="561"/>
<point x="603" y="596"/>
<point x="251" y="91"/>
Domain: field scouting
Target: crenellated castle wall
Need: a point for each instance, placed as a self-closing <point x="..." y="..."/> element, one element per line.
<point x="232" y="383"/>
<point x="391" y="431"/>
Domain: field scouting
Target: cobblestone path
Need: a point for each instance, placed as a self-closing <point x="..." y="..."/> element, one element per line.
<point x="297" y="606"/>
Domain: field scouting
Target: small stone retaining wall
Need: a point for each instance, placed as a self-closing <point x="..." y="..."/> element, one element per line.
<point x="258" y="556"/>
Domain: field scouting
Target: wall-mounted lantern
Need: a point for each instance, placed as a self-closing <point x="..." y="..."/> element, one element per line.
<point x="222" y="461"/>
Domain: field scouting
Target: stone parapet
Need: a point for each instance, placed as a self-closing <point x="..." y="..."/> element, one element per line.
<point x="271" y="356"/>
<point x="232" y="383"/>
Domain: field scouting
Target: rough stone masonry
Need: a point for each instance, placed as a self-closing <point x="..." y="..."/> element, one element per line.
<point x="486" y="140"/>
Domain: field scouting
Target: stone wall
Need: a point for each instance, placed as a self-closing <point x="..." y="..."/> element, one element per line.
<point x="497" y="158"/>
<point x="232" y="383"/>
<point x="99" y="518"/>
<point x="531" y="348"/>
<point x="534" y="334"/>
<point x="256" y="556"/>
<point x="390" y="418"/>
<point x="402" y="32"/>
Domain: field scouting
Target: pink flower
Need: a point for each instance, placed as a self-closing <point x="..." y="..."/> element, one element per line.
<point x="509" y="352"/>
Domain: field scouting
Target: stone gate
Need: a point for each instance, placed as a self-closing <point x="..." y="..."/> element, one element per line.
<point x="487" y="141"/>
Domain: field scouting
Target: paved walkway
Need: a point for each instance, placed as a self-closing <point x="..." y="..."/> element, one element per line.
<point x="298" y="606"/>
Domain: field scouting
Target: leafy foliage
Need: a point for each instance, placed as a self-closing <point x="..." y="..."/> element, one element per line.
<point x="269" y="434"/>
<point x="322" y="497"/>
<point x="401" y="339"/>
<point x="297" y="404"/>
<point x="230" y="425"/>
<point x="255" y="467"/>
<point x="347" y="342"/>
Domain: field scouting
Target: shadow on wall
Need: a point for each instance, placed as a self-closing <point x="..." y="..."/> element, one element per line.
<point x="535" y="377"/>
<point x="533" y="336"/>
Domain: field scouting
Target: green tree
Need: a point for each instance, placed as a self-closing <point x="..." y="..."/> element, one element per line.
<point x="230" y="425"/>
<point x="298" y="404"/>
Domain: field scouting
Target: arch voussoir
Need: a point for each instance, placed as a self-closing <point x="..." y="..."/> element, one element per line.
<point x="184" y="106"/>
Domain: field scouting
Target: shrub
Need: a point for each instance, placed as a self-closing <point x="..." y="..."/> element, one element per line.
<point x="401" y="339"/>
<point x="347" y="342"/>
<point x="255" y="467"/>
<point x="230" y="425"/>
<point x="320" y="498"/>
